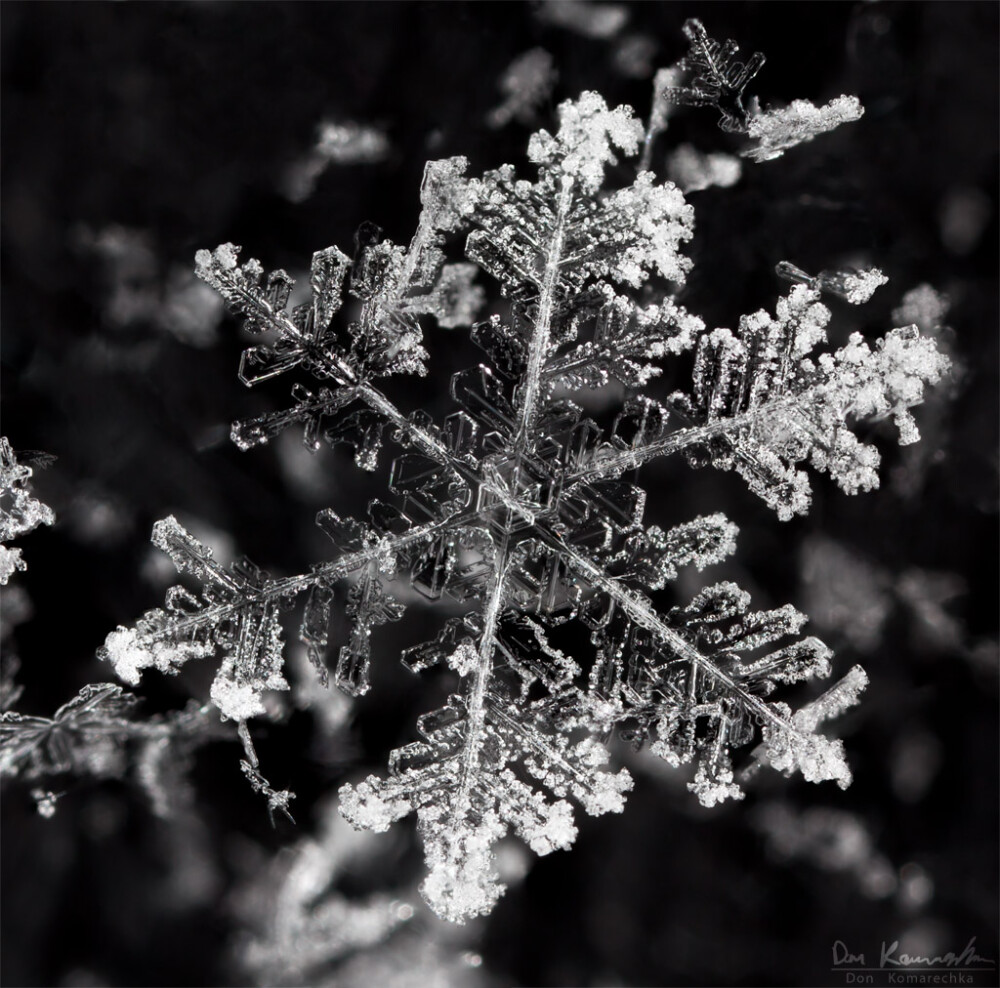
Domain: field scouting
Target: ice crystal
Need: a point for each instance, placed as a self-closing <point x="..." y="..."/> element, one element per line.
<point x="856" y="287"/>
<point x="79" y="737"/>
<point x="716" y="78"/>
<point x="516" y="505"/>
<point x="780" y="129"/>
<point x="20" y="512"/>
<point x="711" y="75"/>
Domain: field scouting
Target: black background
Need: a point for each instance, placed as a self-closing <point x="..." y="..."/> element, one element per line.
<point x="179" y="120"/>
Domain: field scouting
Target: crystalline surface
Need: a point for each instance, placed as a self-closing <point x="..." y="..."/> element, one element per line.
<point x="715" y="77"/>
<point x="778" y="130"/>
<point x="517" y="507"/>
<point x="19" y="511"/>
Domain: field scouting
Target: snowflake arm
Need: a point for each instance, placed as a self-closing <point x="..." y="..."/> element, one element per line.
<point x="761" y="405"/>
<point x="717" y="78"/>
<point x="20" y="512"/>
<point x="775" y="131"/>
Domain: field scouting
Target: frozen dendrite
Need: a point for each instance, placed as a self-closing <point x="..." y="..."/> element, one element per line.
<point x="712" y="75"/>
<point x="94" y="733"/>
<point x="97" y="735"/>
<point x="715" y="77"/>
<point x="515" y="506"/>
<point x="778" y="130"/>
<point x="20" y="512"/>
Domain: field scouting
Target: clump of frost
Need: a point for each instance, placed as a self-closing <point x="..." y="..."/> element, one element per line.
<point x="775" y="131"/>
<point x="588" y="131"/>
<point x="129" y="655"/>
<point x="20" y="511"/>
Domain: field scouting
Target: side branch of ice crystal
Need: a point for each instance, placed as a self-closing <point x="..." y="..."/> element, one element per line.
<point x="20" y="511"/>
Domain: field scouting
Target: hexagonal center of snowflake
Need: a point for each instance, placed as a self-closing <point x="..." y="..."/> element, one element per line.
<point x="509" y="480"/>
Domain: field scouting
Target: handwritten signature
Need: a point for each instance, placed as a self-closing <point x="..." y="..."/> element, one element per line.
<point x="890" y="957"/>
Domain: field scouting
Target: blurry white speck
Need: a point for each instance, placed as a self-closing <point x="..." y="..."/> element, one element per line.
<point x="916" y="887"/>
<point x="337" y="143"/>
<point x="965" y="214"/>
<point x="633" y="56"/>
<point x="592" y="20"/>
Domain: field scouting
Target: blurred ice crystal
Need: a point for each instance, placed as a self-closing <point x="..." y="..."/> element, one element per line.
<point x="691" y="170"/>
<point x="97" y="517"/>
<point x="300" y="925"/>
<point x="924" y="307"/>
<point x="523" y="513"/>
<point x="588" y="18"/>
<point x="633" y="56"/>
<point x="526" y="84"/>
<point x="965" y="216"/>
<point x="927" y="594"/>
<point x="337" y="143"/>
<point x="832" y="840"/>
<point x="138" y="293"/>
<point x="916" y="760"/>
<point x="845" y="593"/>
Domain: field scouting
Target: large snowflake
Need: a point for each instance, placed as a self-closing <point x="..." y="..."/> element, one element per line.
<point x="515" y="507"/>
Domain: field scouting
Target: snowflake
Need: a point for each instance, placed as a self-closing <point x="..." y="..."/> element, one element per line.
<point x="515" y="506"/>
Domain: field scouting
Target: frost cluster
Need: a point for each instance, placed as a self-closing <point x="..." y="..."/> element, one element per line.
<point x="20" y="512"/>
<point x="778" y="130"/>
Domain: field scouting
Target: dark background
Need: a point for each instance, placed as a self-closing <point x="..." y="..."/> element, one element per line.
<point x="179" y="121"/>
